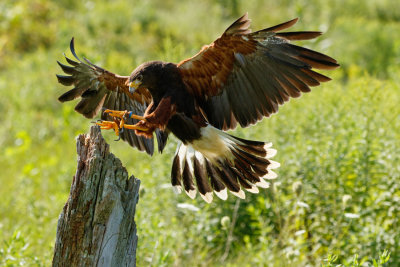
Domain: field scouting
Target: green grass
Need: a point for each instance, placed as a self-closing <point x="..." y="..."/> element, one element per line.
<point x="338" y="191"/>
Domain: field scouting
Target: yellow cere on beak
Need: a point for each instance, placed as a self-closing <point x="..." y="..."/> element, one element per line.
<point x="134" y="85"/>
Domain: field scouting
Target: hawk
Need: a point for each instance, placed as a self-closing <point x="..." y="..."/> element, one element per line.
<point x="240" y="78"/>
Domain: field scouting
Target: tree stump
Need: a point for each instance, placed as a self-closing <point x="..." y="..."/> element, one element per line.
<point x="96" y="226"/>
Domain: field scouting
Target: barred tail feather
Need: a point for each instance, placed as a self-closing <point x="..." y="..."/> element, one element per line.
<point x="218" y="162"/>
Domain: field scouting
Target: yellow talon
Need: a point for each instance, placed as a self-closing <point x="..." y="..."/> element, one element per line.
<point x="107" y="125"/>
<point x="116" y="113"/>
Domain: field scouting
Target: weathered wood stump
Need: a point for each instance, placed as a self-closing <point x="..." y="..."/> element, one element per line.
<point x="96" y="226"/>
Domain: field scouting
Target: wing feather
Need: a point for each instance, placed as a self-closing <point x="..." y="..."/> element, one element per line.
<point x="100" y="89"/>
<point x="243" y="76"/>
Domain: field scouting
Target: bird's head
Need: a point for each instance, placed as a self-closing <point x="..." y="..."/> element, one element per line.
<point x="148" y="75"/>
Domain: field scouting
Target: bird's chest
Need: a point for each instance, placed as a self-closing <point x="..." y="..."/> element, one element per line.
<point x="185" y="121"/>
<point x="182" y="101"/>
<point x="185" y="124"/>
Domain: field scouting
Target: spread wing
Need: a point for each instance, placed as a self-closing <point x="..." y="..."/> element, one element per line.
<point x="243" y="76"/>
<point x="98" y="88"/>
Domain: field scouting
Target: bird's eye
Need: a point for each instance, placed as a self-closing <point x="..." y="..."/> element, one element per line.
<point x="139" y="78"/>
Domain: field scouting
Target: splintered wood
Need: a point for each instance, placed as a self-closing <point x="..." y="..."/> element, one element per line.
<point x="96" y="226"/>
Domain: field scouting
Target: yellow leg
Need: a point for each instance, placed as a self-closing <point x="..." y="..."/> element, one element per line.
<point x="107" y="125"/>
<point x="134" y="127"/>
<point x="134" y="116"/>
<point x="122" y="114"/>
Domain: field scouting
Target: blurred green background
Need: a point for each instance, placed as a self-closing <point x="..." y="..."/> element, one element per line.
<point x="338" y="190"/>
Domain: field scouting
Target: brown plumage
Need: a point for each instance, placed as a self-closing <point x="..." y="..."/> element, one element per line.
<point x="251" y="74"/>
<point x="241" y="77"/>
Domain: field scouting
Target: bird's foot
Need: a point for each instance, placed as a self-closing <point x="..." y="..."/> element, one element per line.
<point x="121" y="116"/>
<point x="118" y="124"/>
<point x="108" y="125"/>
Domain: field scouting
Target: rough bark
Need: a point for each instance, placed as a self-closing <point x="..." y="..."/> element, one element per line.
<point x="96" y="226"/>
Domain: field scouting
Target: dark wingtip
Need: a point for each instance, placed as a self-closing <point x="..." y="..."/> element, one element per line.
<point x="72" y="48"/>
<point x="284" y="25"/>
<point x="66" y="69"/>
<point x="301" y="35"/>
<point x="70" y="61"/>
<point x="93" y="65"/>
<point x="280" y="27"/>
<point x="69" y="95"/>
<point x="88" y="61"/>
<point x="240" y="26"/>
<point x="335" y="65"/>
<point x="60" y="64"/>
<point x="65" y="80"/>
<point x="290" y="23"/>
<point x="63" y="98"/>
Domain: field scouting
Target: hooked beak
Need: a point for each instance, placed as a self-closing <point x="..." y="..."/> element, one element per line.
<point x="133" y="86"/>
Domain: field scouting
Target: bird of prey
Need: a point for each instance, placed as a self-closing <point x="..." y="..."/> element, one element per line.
<point x="240" y="78"/>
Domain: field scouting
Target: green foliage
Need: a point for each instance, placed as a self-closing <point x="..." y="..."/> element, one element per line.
<point x="383" y="258"/>
<point x="338" y="190"/>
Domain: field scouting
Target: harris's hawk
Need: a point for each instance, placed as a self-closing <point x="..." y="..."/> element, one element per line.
<point x="240" y="78"/>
